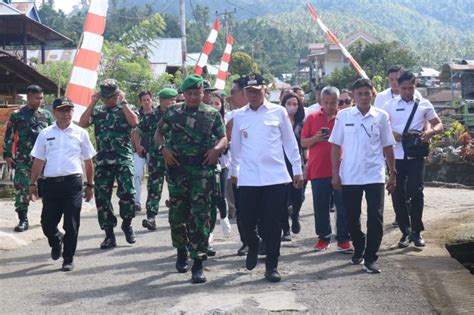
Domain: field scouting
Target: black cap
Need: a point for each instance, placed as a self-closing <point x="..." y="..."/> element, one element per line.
<point x="254" y="81"/>
<point x="207" y="86"/>
<point x="62" y="102"/>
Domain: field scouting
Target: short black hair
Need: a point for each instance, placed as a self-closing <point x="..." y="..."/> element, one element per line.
<point x="360" y="83"/>
<point x="346" y="91"/>
<point x="143" y="93"/>
<point x="320" y="86"/>
<point x="406" y="76"/>
<point x="34" y="89"/>
<point x="296" y="88"/>
<point x="395" y="68"/>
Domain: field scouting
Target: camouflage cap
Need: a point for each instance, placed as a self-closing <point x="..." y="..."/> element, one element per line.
<point x="192" y="82"/>
<point x="167" y="93"/>
<point x="207" y="86"/>
<point x="108" y="88"/>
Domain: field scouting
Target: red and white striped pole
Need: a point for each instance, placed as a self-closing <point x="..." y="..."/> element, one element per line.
<point x="207" y="49"/>
<point x="84" y="72"/>
<point x="332" y="38"/>
<point x="224" y="66"/>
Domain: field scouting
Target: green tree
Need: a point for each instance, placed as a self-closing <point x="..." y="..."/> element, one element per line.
<point x="242" y="64"/>
<point x="57" y="71"/>
<point x="139" y="37"/>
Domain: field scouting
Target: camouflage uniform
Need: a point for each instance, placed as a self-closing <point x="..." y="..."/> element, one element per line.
<point x="190" y="133"/>
<point x="114" y="160"/>
<point x="155" y="162"/>
<point x="27" y="129"/>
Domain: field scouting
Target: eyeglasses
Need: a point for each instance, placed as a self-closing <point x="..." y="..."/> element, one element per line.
<point x="346" y="101"/>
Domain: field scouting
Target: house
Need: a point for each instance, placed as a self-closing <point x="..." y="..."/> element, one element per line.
<point x="165" y="56"/>
<point x="324" y="58"/>
<point x="428" y="77"/>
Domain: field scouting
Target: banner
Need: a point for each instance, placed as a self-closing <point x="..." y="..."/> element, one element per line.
<point x="207" y="49"/>
<point x="224" y="66"/>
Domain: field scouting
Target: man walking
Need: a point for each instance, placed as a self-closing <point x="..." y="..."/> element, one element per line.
<point x="408" y="196"/>
<point x="113" y="123"/>
<point x="60" y="149"/>
<point x="261" y="131"/>
<point x="363" y="133"/>
<point x="26" y="123"/>
<point x="191" y="137"/>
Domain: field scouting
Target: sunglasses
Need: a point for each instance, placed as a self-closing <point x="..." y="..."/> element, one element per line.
<point x="346" y="101"/>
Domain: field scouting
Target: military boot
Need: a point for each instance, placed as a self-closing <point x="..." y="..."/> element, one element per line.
<point x="109" y="240"/>
<point x="23" y="224"/>
<point x="149" y="222"/>
<point x="182" y="260"/>
<point x="128" y="231"/>
<point x="198" y="272"/>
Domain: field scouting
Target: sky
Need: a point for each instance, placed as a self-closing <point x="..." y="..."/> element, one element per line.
<point x="65" y="5"/>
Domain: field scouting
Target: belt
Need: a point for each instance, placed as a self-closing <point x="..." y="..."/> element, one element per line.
<point x="61" y="179"/>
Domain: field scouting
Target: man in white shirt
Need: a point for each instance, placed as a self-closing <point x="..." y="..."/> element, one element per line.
<point x="393" y="91"/>
<point x="408" y="196"/>
<point x="261" y="131"/>
<point x="315" y="107"/>
<point x="363" y="133"/>
<point x="62" y="147"/>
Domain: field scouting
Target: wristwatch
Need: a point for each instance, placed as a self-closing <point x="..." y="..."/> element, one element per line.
<point x="89" y="185"/>
<point x="160" y="147"/>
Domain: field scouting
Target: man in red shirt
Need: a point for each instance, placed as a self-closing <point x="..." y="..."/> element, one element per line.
<point x="315" y="134"/>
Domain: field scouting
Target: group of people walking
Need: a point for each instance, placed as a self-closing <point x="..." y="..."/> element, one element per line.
<point x="342" y="146"/>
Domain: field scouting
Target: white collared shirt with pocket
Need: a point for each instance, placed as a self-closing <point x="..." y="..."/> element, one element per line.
<point x="257" y="143"/>
<point x="362" y="139"/>
<point x="63" y="150"/>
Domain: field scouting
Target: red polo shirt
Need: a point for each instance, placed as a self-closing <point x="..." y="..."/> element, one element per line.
<point x="319" y="162"/>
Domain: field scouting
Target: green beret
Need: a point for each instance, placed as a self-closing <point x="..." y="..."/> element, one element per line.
<point x="192" y="82"/>
<point x="167" y="93"/>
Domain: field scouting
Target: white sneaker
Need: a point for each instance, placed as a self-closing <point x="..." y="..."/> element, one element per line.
<point x="211" y="238"/>
<point x="226" y="227"/>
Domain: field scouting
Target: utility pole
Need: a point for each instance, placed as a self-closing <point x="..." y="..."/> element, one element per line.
<point x="226" y="16"/>
<point x="182" y="13"/>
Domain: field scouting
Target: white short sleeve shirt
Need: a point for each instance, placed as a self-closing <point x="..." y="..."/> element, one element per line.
<point x="387" y="95"/>
<point x="362" y="139"/>
<point x="63" y="150"/>
<point x="399" y="111"/>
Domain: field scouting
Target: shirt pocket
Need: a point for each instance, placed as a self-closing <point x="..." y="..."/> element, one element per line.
<point x="271" y="129"/>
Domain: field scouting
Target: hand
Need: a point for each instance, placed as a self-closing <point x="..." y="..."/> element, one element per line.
<point x="391" y="183"/>
<point x="298" y="181"/>
<point x="89" y="193"/>
<point x="321" y="137"/>
<point x="10" y="163"/>
<point x="397" y="136"/>
<point x="33" y="193"/>
<point x="336" y="182"/>
<point x="234" y="180"/>
<point x="426" y="135"/>
<point x="170" y="157"/>
<point x="141" y="151"/>
<point x="121" y="96"/>
<point x="95" y="98"/>
<point x="211" y="156"/>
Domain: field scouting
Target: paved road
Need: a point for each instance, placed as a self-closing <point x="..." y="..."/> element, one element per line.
<point x="141" y="278"/>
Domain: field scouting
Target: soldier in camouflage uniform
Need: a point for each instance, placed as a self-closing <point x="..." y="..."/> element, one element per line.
<point x="143" y="139"/>
<point x="113" y="123"/>
<point x="26" y="122"/>
<point x="195" y="136"/>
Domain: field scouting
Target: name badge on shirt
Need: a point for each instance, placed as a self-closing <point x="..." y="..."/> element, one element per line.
<point x="50" y="141"/>
<point x="350" y="125"/>
<point x="400" y="109"/>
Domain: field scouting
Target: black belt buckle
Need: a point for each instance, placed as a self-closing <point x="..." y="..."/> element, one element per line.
<point x="61" y="179"/>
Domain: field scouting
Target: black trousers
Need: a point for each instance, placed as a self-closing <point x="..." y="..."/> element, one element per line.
<point x="408" y="198"/>
<point x="267" y="205"/>
<point x="235" y="191"/>
<point x="352" y="199"/>
<point x="62" y="196"/>
<point x="295" y="199"/>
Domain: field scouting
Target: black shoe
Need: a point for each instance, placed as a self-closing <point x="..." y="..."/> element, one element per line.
<point x="272" y="275"/>
<point x="211" y="252"/>
<point x="262" y="250"/>
<point x="138" y="208"/>
<point x="23" y="224"/>
<point x="149" y="223"/>
<point x="295" y="225"/>
<point x="371" y="267"/>
<point x="68" y="266"/>
<point x="128" y="231"/>
<point x="182" y="260"/>
<point x="286" y="237"/>
<point x="56" y="250"/>
<point x="168" y="204"/>
<point x="252" y="258"/>
<point x="197" y="272"/>
<point x="356" y="260"/>
<point x="395" y="223"/>
<point x="417" y="239"/>
<point x="332" y="209"/>
<point x="243" y="250"/>
<point x="404" y="241"/>
<point x="109" y="241"/>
